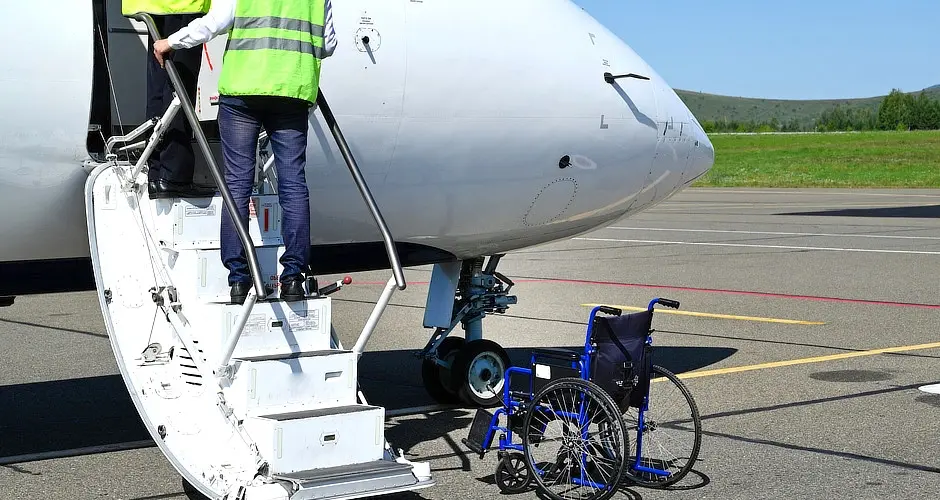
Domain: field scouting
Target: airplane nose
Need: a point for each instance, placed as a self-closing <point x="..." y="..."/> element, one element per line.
<point x="703" y="156"/>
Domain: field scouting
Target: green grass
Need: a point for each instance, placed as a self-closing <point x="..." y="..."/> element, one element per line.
<point x="854" y="160"/>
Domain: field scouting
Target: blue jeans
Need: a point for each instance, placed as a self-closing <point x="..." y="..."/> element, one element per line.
<point x="285" y="120"/>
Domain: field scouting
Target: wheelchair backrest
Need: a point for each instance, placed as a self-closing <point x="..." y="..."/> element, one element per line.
<point x="622" y="362"/>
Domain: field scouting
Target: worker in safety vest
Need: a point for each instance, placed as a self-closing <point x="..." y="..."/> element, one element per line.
<point x="172" y="163"/>
<point x="270" y="77"/>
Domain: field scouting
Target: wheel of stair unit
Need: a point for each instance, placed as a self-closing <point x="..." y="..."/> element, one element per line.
<point x="191" y="492"/>
<point x="478" y="373"/>
<point x="436" y="378"/>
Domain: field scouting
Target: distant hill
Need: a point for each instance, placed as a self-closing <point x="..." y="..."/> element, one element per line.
<point x="711" y="107"/>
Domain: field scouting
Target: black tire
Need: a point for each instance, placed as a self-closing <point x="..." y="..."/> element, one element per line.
<point x="693" y="418"/>
<point x="478" y="373"/>
<point x="436" y="378"/>
<point x="191" y="492"/>
<point x="605" y="414"/>
<point x="512" y="474"/>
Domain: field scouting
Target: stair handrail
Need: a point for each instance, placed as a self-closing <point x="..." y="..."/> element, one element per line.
<point x="390" y="248"/>
<point x="190" y="112"/>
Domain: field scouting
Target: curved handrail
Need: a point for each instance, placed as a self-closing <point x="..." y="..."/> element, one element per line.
<point x="363" y="190"/>
<point x="204" y="146"/>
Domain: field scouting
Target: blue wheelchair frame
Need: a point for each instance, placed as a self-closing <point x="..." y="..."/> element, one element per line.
<point x="584" y="363"/>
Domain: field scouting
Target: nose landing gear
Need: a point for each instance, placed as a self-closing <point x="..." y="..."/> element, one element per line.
<point x="470" y="371"/>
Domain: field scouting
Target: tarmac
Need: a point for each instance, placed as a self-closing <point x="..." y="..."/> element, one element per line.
<point x="809" y="320"/>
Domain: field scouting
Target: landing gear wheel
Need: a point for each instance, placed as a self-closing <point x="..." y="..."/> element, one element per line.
<point x="478" y="373"/>
<point x="512" y="474"/>
<point x="436" y="378"/>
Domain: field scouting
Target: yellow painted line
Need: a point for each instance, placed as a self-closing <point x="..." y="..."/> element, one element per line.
<point x="815" y="359"/>
<point x="713" y="315"/>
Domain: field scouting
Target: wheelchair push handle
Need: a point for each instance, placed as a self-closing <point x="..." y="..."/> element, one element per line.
<point x="673" y="304"/>
<point x="610" y="310"/>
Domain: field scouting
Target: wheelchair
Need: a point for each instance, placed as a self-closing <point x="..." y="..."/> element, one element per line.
<point x="569" y="430"/>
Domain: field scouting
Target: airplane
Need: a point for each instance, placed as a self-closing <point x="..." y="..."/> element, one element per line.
<point x="481" y="128"/>
<point x="477" y="134"/>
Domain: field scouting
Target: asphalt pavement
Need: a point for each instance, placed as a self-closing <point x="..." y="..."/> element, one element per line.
<point x="809" y="321"/>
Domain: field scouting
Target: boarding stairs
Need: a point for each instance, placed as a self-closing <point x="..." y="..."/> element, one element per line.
<point x="258" y="401"/>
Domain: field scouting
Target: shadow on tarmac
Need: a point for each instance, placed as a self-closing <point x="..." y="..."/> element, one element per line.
<point x="918" y="212"/>
<point x="59" y="415"/>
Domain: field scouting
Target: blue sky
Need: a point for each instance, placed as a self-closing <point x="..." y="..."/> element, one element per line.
<point x="789" y="49"/>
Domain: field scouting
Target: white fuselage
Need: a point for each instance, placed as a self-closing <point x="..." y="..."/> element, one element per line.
<point x="458" y="115"/>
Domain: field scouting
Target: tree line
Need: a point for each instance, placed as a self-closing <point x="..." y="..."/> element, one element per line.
<point x="897" y="111"/>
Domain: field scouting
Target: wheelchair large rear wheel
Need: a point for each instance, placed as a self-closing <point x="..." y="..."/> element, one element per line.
<point x="671" y="434"/>
<point x="574" y="441"/>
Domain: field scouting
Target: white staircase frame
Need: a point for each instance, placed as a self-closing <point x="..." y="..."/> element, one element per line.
<point x="166" y="297"/>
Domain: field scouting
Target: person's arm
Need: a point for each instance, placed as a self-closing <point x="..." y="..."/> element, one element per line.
<point x="329" y="32"/>
<point x="220" y="17"/>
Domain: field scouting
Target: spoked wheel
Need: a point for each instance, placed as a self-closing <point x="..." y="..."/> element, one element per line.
<point x="512" y="474"/>
<point x="436" y="378"/>
<point x="671" y="436"/>
<point x="575" y="442"/>
<point x="478" y="373"/>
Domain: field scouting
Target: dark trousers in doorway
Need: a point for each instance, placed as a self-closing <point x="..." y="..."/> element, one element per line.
<point x="173" y="159"/>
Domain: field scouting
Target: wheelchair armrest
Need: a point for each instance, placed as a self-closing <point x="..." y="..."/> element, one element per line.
<point x="557" y="353"/>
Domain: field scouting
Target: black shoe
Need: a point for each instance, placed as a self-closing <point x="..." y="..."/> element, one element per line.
<point x="162" y="189"/>
<point x="240" y="292"/>
<point x="292" y="289"/>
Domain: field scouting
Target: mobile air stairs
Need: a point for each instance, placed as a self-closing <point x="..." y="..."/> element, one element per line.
<point x="248" y="402"/>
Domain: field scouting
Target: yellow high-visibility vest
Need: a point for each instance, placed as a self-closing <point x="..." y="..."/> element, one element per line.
<point x="274" y="49"/>
<point x="130" y="7"/>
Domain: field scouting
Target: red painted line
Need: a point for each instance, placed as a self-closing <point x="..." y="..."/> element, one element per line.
<point x="707" y="290"/>
<point x="734" y="292"/>
<point x="205" y="48"/>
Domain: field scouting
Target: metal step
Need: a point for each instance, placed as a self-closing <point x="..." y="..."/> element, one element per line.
<point x="351" y="481"/>
<point x="199" y="275"/>
<point x="319" y="439"/>
<point x="195" y="223"/>
<point x="276" y="328"/>
<point x="299" y="381"/>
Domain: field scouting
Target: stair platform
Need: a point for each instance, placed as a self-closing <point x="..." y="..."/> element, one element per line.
<point x="341" y="482"/>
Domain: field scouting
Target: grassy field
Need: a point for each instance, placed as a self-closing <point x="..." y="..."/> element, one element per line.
<point x="854" y="160"/>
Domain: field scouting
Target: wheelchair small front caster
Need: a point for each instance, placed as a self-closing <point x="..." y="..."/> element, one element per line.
<point x="512" y="474"/>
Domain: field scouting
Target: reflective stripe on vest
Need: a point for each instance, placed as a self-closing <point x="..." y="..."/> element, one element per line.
<point x="274" y="49"/>
<point x="130" y="7"/>
<point x="278" y="23"/>
<point x="277" y="44"/>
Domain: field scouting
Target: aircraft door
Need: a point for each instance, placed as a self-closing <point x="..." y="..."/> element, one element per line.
<point x="364" y="88"/>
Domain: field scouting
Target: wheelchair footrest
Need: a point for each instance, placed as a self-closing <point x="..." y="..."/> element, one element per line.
<point x="479" y="428"/>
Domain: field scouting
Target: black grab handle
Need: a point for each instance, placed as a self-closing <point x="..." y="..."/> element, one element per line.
<point x="610" y="310"/>
<point x="669" y="303"/>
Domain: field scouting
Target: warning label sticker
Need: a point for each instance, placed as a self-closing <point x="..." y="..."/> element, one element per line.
<point x="256" y="325"/>
<point x="304" y="321"/>
<point x="200" y="211"/>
